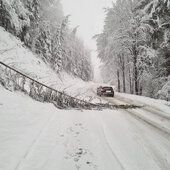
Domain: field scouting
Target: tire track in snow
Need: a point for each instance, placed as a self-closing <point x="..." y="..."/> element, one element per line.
<point x="162" y="162"/>
<point x="34" y="142"/>
<point x="147" y="107"/>
<point x="121" y="100"/>
<point x="149" y="122"/>
<point x="113" y="153"/>
<point x="156" y="114"/>
<point x="151" y="110"/>
<point x="106" y="143"/>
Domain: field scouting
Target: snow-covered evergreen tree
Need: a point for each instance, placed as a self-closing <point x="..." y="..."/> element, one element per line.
<point x="42" y="26"/>
<point x="136" y="42"/>
<point x="14" y="17"/>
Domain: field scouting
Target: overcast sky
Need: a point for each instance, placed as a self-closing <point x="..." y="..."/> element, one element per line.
<point x="89" y="15"/>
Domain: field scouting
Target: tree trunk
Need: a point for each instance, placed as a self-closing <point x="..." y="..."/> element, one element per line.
<point x="135" y="70"/>
<point x="130" y="82"/>
<point x="118" y="80"/>
<point x="123" y="70"/>
<point x="136" y="78"/>
<point x="141" y="89"/>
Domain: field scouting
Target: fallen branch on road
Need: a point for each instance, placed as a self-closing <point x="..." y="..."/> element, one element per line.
<point x="14" y="80"/>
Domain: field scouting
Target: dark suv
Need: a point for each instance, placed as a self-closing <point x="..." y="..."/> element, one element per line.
<point x="105" y="91"/>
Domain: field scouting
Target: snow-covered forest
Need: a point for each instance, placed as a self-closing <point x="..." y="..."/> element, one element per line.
<point x="135" y="47"/>
<point x="44" y="29"/>
<point x="56" y="114"/>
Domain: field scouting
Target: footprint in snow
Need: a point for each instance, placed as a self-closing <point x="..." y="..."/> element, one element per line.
<point x="77" y="167"/>
<point x="78" y="124"/>
<point x="92" y="165"/>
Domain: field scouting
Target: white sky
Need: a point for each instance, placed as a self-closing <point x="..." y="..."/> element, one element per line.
<point x="89" y="15"/>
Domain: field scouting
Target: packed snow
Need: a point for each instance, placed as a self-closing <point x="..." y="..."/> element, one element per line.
<point x="36" y="135"/>
<point x="157" y="103"/>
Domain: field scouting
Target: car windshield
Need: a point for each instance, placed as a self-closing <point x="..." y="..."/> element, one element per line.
<point x="107" y="88"/>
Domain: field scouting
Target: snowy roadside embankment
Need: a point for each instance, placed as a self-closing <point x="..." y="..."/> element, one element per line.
<point x="16" y="55"/>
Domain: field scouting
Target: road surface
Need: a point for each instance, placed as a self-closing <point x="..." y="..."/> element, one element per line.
<point x="37" y="136"/>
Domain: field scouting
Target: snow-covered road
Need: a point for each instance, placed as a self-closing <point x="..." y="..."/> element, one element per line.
<point x="148" y="133"/>
<point x="38" y="136"/>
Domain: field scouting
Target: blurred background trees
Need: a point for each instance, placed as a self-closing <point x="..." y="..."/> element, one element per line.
<point x="134" y="47"/>
<point x="43" y="28"/>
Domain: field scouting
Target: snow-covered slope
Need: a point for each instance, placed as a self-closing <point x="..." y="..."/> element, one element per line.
<point x="15" y="54"/>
